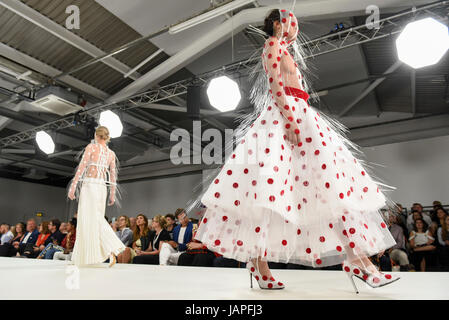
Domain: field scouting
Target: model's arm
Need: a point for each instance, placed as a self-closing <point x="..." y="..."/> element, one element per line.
<point x="113" y="178"/>
<point x="272" y="59"/>
<point x="79" y="172"/>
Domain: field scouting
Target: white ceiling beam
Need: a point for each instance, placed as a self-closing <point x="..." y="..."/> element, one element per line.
<point x="64" y="34"/>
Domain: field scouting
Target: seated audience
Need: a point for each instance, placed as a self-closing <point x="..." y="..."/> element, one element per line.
<point x="438" y="220"/>
<point x="63" y="228"/>
<point x="10" y="248"/>
<point x="140" y="240"/>
<point x="171" y="223"/>
<point x="398" y="253"/>
<point x="124" y="233"/>
<point x="28" y="242"/>
<point x="182" y="233"/>
<point x="421" y="242"/>
<point x="132" y="224"/>
<point x="44" y="233"/>
<point x="6" y="233"/>
<point x="56" y="236"/>
<point x="151" y="254"/>
<point x="68" y="243"/>
<point x="197" y="254"/>
<point x="69" y="240"/>
<point x="443" y="248"/>
<point x="416" y="215"/>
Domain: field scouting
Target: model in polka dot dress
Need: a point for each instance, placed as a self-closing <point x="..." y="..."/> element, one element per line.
<point x="292" y="190"/>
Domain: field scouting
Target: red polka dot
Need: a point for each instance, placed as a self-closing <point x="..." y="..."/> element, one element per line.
<point x="299" y="206"/>
<point x="339" y="248"/>
<point x="271" y="43"/>
<point x="317" y="152"/>
<point x="306" y="183"/>
<point x="270" y="181"/>
<point x="322" y="239"/>
<point x="356" y="271"/>
<point x="217" y="194"/>
<point x="270" y="285"/>
<point x="327" y="185"/>
<point x="217" y="242"/>
<point x="284" y="242"/>
<point x="205" y="220"/>
<point x="347" y="269"/>
<point x="257" y="229"/>
<point x="318" y="261"/>
<point x="383" y="225"/>
<point x="365" y="189"/>
<point x="225" y="218"/>
<point x="236" y="202"/>
<point x="308" y="250"/>
<point x="245" y="171"/>
<point x="331" y="225"/>
<point x="343" y="218"/>
<point x="308" y="139"/>
<point x="272" y="198"/>
<point x="254" y="182"/>
<point x="323" y="166"/>
<point x="229" y="172"/>
<point x="352" y="244"/>
<point x="298" y="232"/>
<point x="217" y="181"/>
<point x="352" y="230"/>
<point x="363" y="173"/>
<point x="240" y="243"/>
<point x="388" y="276"/>
<point x="342" y="195"/>
<point x="235" y="185"/>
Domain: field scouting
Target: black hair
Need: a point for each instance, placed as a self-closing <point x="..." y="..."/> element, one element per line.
<point x="56" y="223"/>
<point x="73" y="222"/>
<point x="425" y="225"/>
<point x="273" y="16"/>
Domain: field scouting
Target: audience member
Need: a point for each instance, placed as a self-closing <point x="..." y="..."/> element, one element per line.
<point x="132" y="224"/>
<point x="443" y="240"/>
<point x="10" y="248"/>
<point x="197" y="254"/>
<point x="398" y="253"/>
<point x="28" y="242"/>
<point x="438" y="220"/>
<point x="44" y="233"/>
<point x="124" y="233"/>
<point x="69" y="240"/>
<point x="182" y="233"/>
<point x="56" y="236"/>
<point x="6" y="233"/>
<point x="63" y="228"/>
<point x="412" y="218"/>
<point x="171" y="223"/>
<point x="68" y="243"/>
<point x="140" y="240"/>
<point x="421" y="242"/>
<point x="151" y="254"/>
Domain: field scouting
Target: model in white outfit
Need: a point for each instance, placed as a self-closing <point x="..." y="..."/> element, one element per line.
<point x="96" y="173"/>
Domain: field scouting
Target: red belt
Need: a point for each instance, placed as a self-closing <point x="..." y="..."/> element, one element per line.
<point x="295" y="92"/>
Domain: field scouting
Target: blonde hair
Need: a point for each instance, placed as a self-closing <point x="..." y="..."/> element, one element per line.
<point x="161" y="220"/>
<point x="103" y="133"/>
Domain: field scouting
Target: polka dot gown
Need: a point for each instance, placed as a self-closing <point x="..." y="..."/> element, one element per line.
<point x="307" y="203"/>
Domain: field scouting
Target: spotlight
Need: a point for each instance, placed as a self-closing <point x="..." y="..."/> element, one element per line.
<point x="110" y="120"/>
<point x="422" y="43"/>
<point x="223" y="93"/>
<point x="45" y="142"/>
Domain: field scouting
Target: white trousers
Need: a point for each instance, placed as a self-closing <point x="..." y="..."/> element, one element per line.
<point x="168" y="255"/>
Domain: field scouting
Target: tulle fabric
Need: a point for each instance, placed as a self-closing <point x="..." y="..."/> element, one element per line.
<point x="314" y="204"/>
<point x="95" y="239"/>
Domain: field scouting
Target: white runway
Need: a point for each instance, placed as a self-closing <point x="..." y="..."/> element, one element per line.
<point x="56" y="280"/>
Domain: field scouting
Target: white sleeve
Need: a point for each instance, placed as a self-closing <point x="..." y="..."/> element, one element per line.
<point x="440" y="236"/>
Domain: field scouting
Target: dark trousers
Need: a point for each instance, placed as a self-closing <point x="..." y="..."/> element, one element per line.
<point x="418" y="256"/>
<point x="443" y="258"/>
<point x="146" y="259"/>
<point x="7" y="250"/>
<point x="197" y="259"/>
<point x="223" y="262"/>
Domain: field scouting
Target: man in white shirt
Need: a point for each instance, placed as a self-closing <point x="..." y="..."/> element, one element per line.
<point x="7" y="235"/>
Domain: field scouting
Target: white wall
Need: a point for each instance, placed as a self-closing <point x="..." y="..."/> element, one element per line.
<point x="419" y="169"/>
